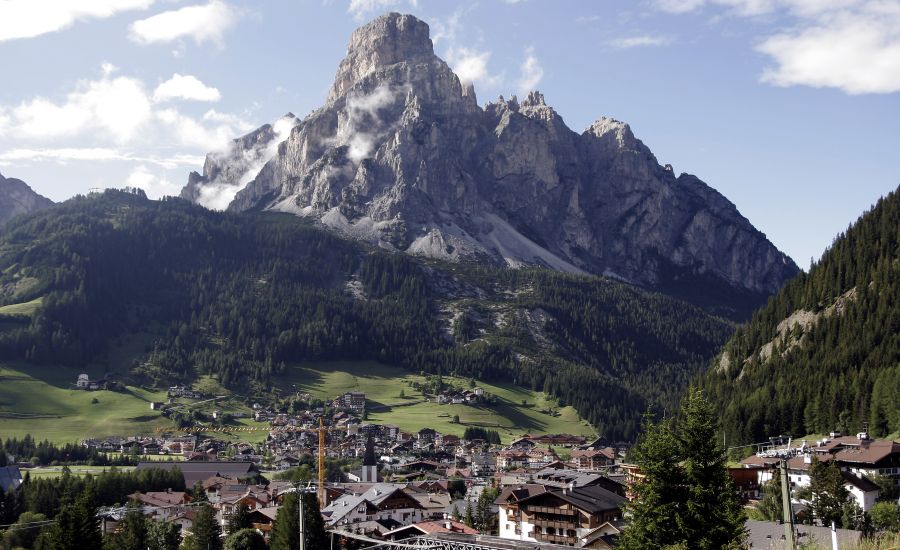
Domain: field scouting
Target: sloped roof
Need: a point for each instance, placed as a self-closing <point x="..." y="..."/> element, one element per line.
<point x="591" y="499"/>
<point x="516" y="493"/>
<point x="376" y="494"/>
<point x="203" y="470"/>
<point x="10" y="478"/>
<point x="862" y="483"/>
<point x="868" y="453"/>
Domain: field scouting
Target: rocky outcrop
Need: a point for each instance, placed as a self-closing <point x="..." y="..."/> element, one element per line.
<point x="402" y="155"/>
<point x="16" y="198"/>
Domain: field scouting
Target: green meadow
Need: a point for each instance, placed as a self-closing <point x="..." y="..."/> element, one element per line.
<point x="518" y="410"/>
<point x="40" y="401"/>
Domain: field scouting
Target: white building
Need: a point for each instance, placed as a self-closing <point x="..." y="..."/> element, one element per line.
<point x="381" y="501"/>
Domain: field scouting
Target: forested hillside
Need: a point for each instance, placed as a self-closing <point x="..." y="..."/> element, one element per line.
<point x="240" y="296"/>
<point x="824" y="353"/>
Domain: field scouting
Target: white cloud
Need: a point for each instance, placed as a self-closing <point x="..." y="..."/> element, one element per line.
<point x="218" y="194"/>
<point x="122" y="110"/>
<point x="63" y="155"/>
<point x="531" y="72"/>
<point x="850" y="45"/>
<point x="154" y="185"/>
<point x="360" y="9"/>
<point x="445" y="29"/>
<point x="471" y="67"/>
<point x="364" y="126"/>
<point x="5" y="120"/>
<point x="855" y="51"/>
<point x="30" y="18"/>
<point x="185" y="87"/>
<point x="679" y="6"/>
<point x="117" y="106"/>
<point x="202" y="23"/>
<point x="640" y="41"/>
<point x="190" y="132"/>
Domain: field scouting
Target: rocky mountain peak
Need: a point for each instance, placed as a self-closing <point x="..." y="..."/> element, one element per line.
<point x="388" y="40"/>
<point x="17" y="198"/>
<point x="402" y="156"/>
<point x="534" y="99"/>
<point x="606" y="126"/>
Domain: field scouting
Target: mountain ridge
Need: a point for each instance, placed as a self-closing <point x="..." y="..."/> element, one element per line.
<point x="401" y="155"/>
<point x="823" y="354"/>
<point x="242" y="296"/>
<point x="18" y="198"/>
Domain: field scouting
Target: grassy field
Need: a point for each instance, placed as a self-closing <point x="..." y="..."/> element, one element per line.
<point x="518" y="411"/>
<point x="39" y="401"/>
<point x="50" y="472"/>
<point x="25" y="309"/>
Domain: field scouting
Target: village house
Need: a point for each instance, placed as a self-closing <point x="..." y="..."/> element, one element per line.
<point x="592" y="459"/>
<point x="84" y="382"/>
<point x="558" y="515"/>
<point x="162" y="505"/>
<point x="858" y="458"/>
<point x="430" y="528"/>
<point x="353" y="400"/>
<point x="381" y="501"/>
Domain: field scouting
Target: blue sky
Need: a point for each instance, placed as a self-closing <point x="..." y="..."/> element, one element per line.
<point x="790" y="108"/>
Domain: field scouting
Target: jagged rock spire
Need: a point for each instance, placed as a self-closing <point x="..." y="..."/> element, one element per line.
<point x="402" y="156"/>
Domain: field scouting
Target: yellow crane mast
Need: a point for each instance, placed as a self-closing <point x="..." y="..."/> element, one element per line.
<point x="321" y="488"/>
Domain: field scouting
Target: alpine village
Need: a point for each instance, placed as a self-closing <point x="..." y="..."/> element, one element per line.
<point x="418" y="321"/>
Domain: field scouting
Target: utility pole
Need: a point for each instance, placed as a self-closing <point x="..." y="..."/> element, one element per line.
<point x="787" y="513"/>
<point x="300" y="520"/>
<point x="784" y="454"/>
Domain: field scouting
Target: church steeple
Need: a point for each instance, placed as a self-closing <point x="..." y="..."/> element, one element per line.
<point x="370" y="464"/>
<point x="369" y="456"/>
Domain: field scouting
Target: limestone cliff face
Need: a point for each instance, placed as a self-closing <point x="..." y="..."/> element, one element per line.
<point x="402" y="155"/>
<point x="16" y="198"/>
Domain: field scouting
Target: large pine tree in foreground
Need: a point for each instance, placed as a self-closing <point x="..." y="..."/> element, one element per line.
<point x="686" y="498"/>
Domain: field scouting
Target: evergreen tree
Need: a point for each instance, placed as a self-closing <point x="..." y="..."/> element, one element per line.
<point x="245" y="539"/>
<point x="205" y="533"/>
<point x="885" y="516"/>
<point x="686" y="496"/>
<point x="163" y="535"/>
<point x="313" y="524"/>
<point x="76" y="526"/>
<point x="770" y="505"/>
<point x="198" y="493"/>
<point x="713" y="517"/>
<point x="21" y="537"/>
<point x="470" y="515"/>
<point x="285" y="530"/>
<point x="132" y="533"/>
<point x="659" y="494"/>
<point x="455" y="514"/>
<point x="828" y="492"/>
<point x="239" y="519"/>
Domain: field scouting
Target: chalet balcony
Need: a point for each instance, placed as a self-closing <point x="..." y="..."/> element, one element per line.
<point x="556" y="539"/>
<point x="555" y="524"/>
<point x="549" y="510"/>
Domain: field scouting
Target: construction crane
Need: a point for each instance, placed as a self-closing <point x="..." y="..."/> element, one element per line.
<point x="321" y="488"/>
